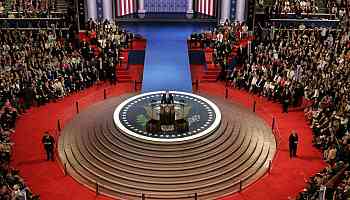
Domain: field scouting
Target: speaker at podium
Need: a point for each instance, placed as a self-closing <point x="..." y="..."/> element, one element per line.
<point x="167" y="115"/>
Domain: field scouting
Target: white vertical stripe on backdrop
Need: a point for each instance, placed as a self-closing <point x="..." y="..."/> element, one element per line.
<point x="92" y="12"/>
<point x="107" y="9"/>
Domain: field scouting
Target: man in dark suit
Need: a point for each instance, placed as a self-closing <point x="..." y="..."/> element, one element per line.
<point x="286" y="96"/>
<point x="167" y="98"/>
<point x="49" y="143"/>
<point x="293" y="144"/>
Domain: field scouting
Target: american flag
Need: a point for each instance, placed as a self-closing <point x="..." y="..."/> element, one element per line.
<point x="126" y="7"/>
<point x="207" y="7"/>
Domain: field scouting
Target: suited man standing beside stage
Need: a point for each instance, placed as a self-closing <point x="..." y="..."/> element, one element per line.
<point x="293" y="144"/>
<point x="49" y="143"/>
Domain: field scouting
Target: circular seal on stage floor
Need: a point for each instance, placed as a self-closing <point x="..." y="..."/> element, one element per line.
<point x="187" y="116"/>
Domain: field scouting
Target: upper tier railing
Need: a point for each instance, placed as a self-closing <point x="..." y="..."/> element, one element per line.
<point x="32" y="23"/>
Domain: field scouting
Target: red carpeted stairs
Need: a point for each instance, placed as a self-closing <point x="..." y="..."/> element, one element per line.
<point x="122" y="68"/>
<point x="125" y="72"/>
<point x="212" y="70"/>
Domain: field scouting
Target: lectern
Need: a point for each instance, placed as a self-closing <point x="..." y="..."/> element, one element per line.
<point x="167" y="114"/>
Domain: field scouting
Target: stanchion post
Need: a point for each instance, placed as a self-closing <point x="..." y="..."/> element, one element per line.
<point x="143" y="197"/>
<point x="254" y="106"/>
<point x="226" y="93"/>
<point x="195" y="196"/>
<point x="59" y="125"/>
<point x="135" y="86"/>
<point x="104" y="94"/>
<point x="240" y="185"/>
<point x="65" y="169"/>
<point x="273" y="123"/>
<point x="97" y="188"/>
<point x="77" y="106"/>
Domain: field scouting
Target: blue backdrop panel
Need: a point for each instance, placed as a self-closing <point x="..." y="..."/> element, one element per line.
<point x="99" y="9"/>
<point x="233" y="10"/>
<point x="166" y="60"/>
<point x="166" y="5"/>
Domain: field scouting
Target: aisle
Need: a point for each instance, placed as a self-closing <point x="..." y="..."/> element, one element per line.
<point x="166" y="61"/>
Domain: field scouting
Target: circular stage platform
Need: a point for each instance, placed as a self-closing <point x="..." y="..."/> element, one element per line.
<point x="203" y="116"/>
<point x="232" y="149"/>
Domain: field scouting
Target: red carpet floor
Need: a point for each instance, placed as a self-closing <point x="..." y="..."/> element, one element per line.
<point x="287" y="175"/>
<point x="47" y="179"/>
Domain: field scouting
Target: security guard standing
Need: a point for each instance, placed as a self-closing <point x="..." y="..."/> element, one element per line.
<point x="293" y="144"/>
<point x="49" y="143"/>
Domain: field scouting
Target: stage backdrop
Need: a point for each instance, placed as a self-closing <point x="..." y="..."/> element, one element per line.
<point x="157" y="6"/>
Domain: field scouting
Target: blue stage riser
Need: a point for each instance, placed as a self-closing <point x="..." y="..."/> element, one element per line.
<point x="167" y="65"/>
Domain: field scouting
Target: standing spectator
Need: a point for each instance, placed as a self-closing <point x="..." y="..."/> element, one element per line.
<point x="285" y="100"/>
<point x="331" y="155"/>
<point x="293" y="144"/>
<point x="49" y="143"/>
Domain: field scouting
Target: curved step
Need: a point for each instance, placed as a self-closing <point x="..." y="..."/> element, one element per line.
<point x="124" y="167"/>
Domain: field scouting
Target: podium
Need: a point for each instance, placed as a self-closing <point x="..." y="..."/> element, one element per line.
<point x="167" y="114"/>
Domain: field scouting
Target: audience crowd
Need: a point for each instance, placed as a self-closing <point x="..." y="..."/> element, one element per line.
<point x="37" y="67"/>
<point x="343" y="189"/>
<point x="307" y="8"/>
<point x="26" y="8"/>
<point x="224" y="40"/>
<point x="326" y="178"/>
<point x="337" y="8"/>
<point x="307" y="68"/>
<point x="295" y="6"/>
<point x="300" y="67"/>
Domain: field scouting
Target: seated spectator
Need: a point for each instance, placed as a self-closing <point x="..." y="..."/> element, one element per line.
<point x="284" y="7"/>
<point x="311" y="66"/>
